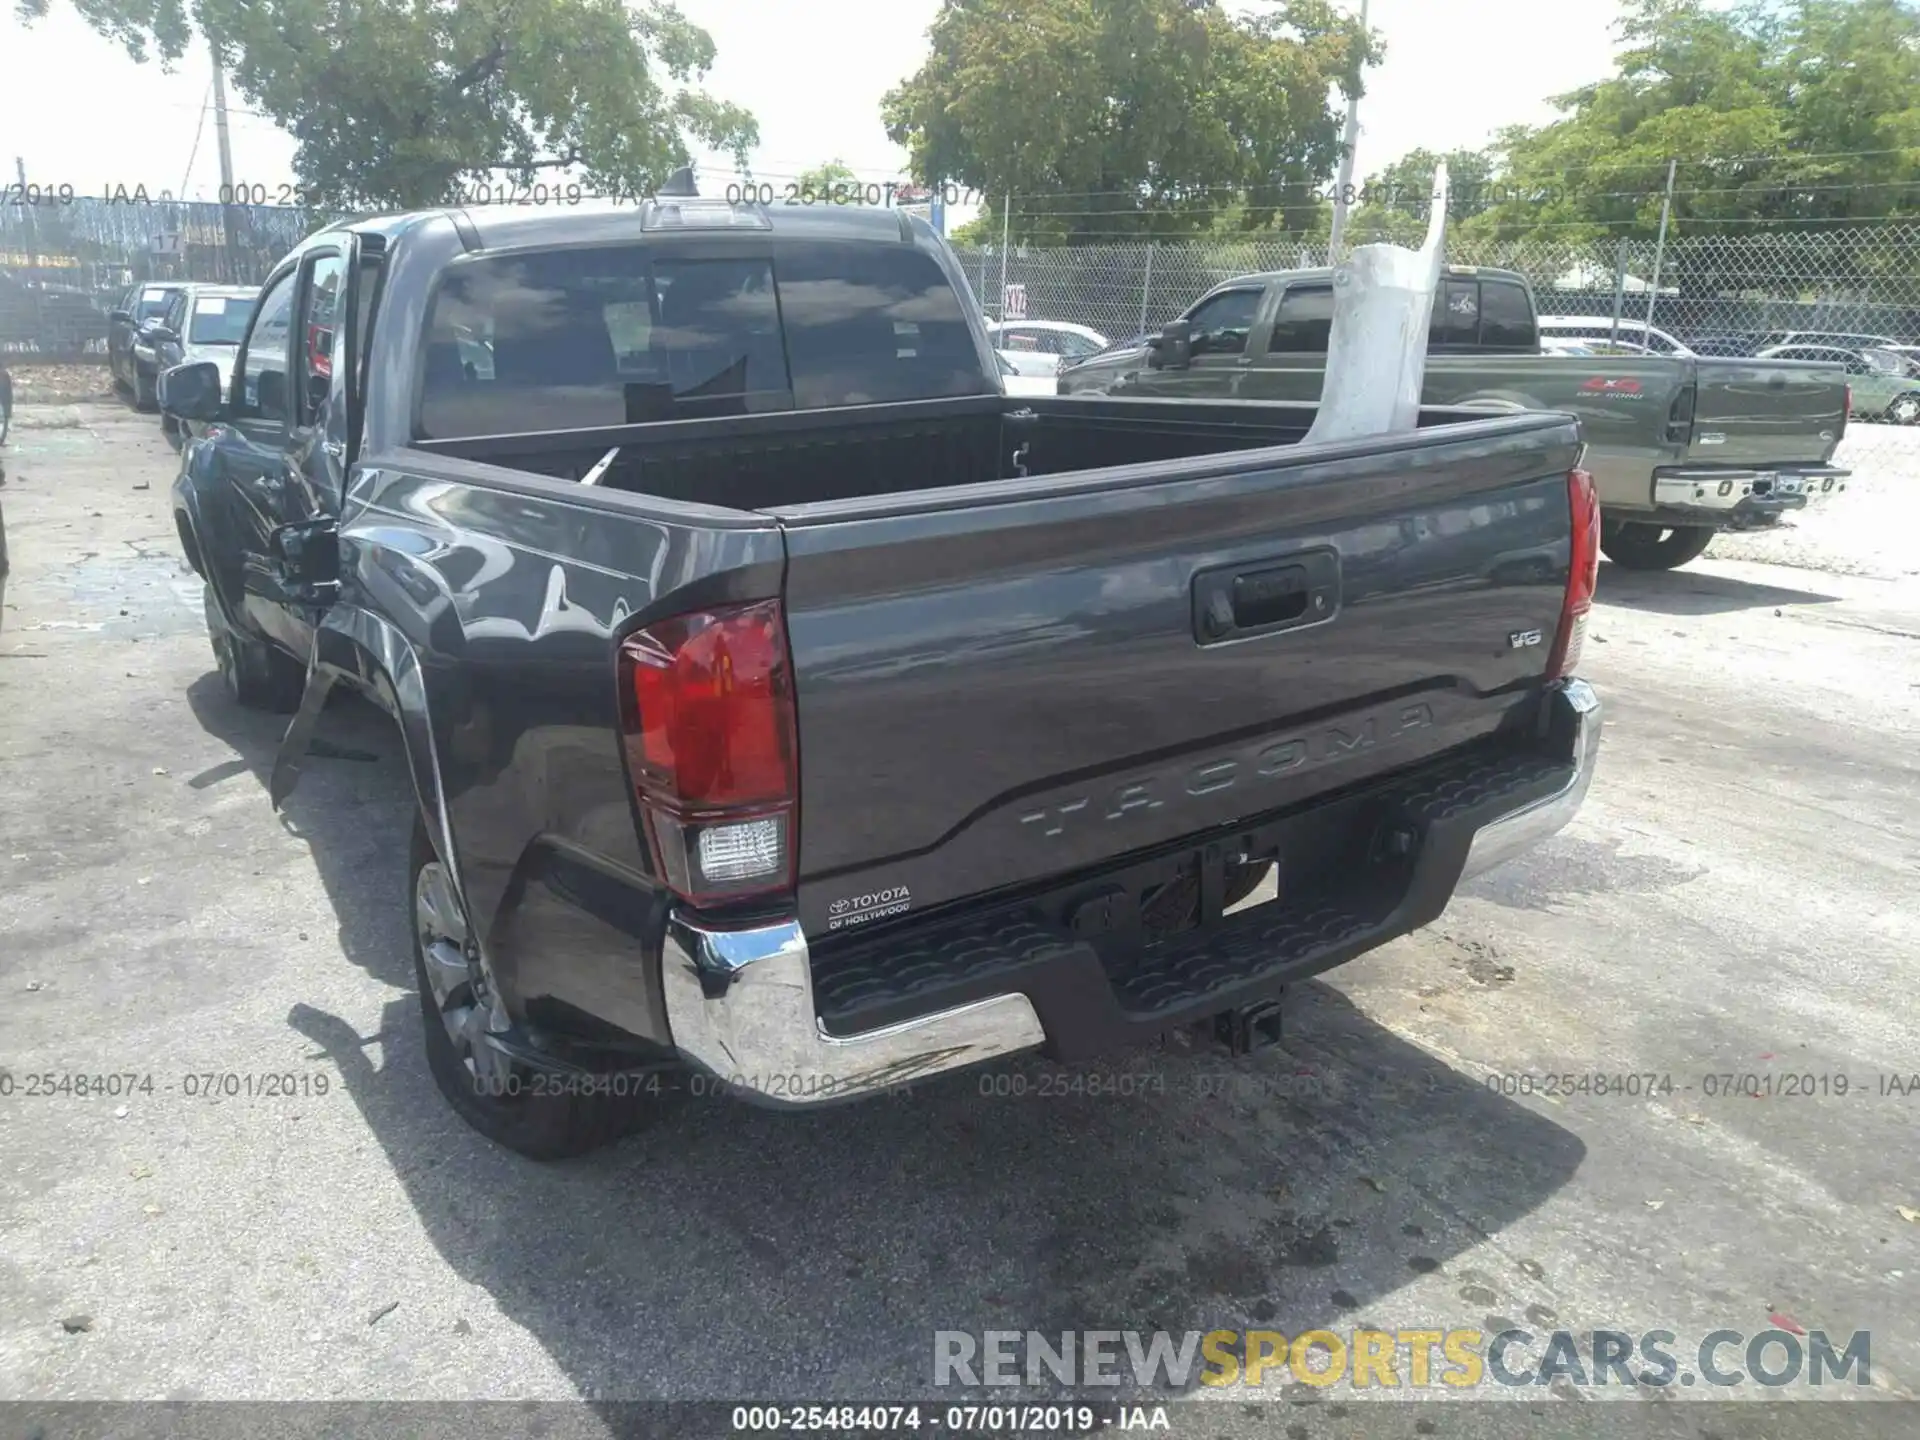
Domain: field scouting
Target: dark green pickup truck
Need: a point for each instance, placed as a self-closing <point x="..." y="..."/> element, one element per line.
<point x="1680" y="447"/>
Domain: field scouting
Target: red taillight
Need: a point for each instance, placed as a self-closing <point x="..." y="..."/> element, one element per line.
<point x="1583" y="576"/>
<point x="707" y="706"/>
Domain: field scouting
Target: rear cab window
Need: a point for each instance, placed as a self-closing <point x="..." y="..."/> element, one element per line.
<point x="617" y="335"/>
<point x="1473" y="313"/>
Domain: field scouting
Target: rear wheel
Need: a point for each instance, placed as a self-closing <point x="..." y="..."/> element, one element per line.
<point x="1905" y="410"/>
<point x="502" y="1099"/>
<point x="1637" y="545"/>
<point x="256" y="674"/>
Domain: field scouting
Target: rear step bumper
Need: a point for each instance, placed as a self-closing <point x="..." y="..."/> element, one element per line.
<point x="1732" y="496"/>
<point x="755" y="1010"/>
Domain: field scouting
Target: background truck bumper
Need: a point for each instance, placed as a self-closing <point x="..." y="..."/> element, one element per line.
<point x="1741" y="499"/>
<point x="784" y="1027"/>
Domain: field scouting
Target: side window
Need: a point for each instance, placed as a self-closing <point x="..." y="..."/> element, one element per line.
<point x="868" y="324"/>
<point x="263" y="358"/>
<point x="1304" y="325"/>
<point x="319" y="324"/>
<point x="1225" y="321"/>
<point x="174" y="317"/>
<point x="1506" y="319"/>
<point x="1076" y="347"/>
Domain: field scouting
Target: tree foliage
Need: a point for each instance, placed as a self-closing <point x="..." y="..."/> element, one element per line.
<point x="1108" y="119"/>
<point x="1776" y="113"/>
<point x="394" y="103"/>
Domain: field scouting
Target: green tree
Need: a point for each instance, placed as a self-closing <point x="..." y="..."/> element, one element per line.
<point x="394" y="103"/>
<point x="821" y="179"/>
<point x="1108" y="119"/>
<point x="1778" y="112"/>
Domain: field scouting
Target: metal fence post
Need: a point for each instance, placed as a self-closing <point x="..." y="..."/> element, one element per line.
<point x="1619" y="287"/>
<point x="1006" y="224"/>
<point x="1146" y="288"/>
<point x="1660" y="254"/>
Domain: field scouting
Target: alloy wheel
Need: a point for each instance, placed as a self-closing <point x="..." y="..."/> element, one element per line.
<point x="457" y="980"/>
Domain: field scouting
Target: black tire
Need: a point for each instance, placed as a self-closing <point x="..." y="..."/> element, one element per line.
<point x="495" y="1096"/>
<point x="1637" y="545"/>
<point x="256" y="674"/>
<point x="1905" y="410"/>
<point x="145" y="396"/>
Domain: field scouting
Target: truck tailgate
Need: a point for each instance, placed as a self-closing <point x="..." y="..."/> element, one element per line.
<point x="1767" y="413"/>
<point x="1006" y="682"/>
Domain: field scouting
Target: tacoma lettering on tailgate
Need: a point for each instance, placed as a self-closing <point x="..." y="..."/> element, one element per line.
<point x="1264" y="761"/>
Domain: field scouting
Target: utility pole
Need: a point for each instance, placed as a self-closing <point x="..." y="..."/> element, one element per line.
<point x="226" y="160"/>
<point x="1660" y="254"/>
<point x="1346" y="165"/>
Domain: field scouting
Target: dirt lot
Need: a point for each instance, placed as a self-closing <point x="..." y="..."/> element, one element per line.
<point x="1741" y="897"/>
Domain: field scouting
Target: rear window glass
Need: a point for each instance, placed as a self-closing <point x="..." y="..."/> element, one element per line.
<point x="1506" y="320"/>
<point x="867" y="324"/>
<point x="219" y="320"/>
<point x="579" y="339"/>
<point x="1456" y="315"/>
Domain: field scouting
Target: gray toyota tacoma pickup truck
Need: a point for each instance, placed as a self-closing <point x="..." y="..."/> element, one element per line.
<point x="1681" y="447"/>
<point x="789" y="709"/>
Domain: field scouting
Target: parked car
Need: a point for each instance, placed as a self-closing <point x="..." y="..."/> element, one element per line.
<point x="1014" y="383"/>
<point x="1735" y="346"/>
<point x="1637" y="333"/>
<point x="47" y="320"/>
<point x="1774" y="339"/>
<point x="1880" y="385"/>
<point x="1044" y="347"/>
<point x="201" y="322"/>
<point x="784" y="701"/>
<point x="135" y="308"/>
<point x="1680" y="446"/>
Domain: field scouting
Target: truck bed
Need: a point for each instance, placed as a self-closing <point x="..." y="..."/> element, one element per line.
<point x="772" y="461"/>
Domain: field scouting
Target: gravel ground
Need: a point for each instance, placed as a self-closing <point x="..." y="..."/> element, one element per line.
<point x="1739" y="896"/>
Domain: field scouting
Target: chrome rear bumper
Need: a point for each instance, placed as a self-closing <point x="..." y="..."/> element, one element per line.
<point x="741" y="1007"/>
<point x="1720" y="492"/>
<point x="1579" y="719"/>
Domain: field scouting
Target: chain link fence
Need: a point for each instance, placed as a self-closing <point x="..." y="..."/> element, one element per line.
<point x="1856" y="281"/>
<point x="1729" y="289"/>
<point x="63" y="264"/>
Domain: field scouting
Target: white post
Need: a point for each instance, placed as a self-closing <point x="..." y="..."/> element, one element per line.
<point x="1146" y="287"/>
<point x="1345" y="182"/>
<point x="1006" y="222"/>
<point x="1660" y="254"/>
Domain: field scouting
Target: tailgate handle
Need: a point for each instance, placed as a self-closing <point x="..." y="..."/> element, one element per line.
<point x="1238" y="602"/>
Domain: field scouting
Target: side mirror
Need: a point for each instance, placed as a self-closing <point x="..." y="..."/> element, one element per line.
<point x="118" y="315"/>
<point x="318" y="387"/>
<point x="1172" y="348"/>
<point x="192" y="391"/>
<point x="154" y="330"/>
